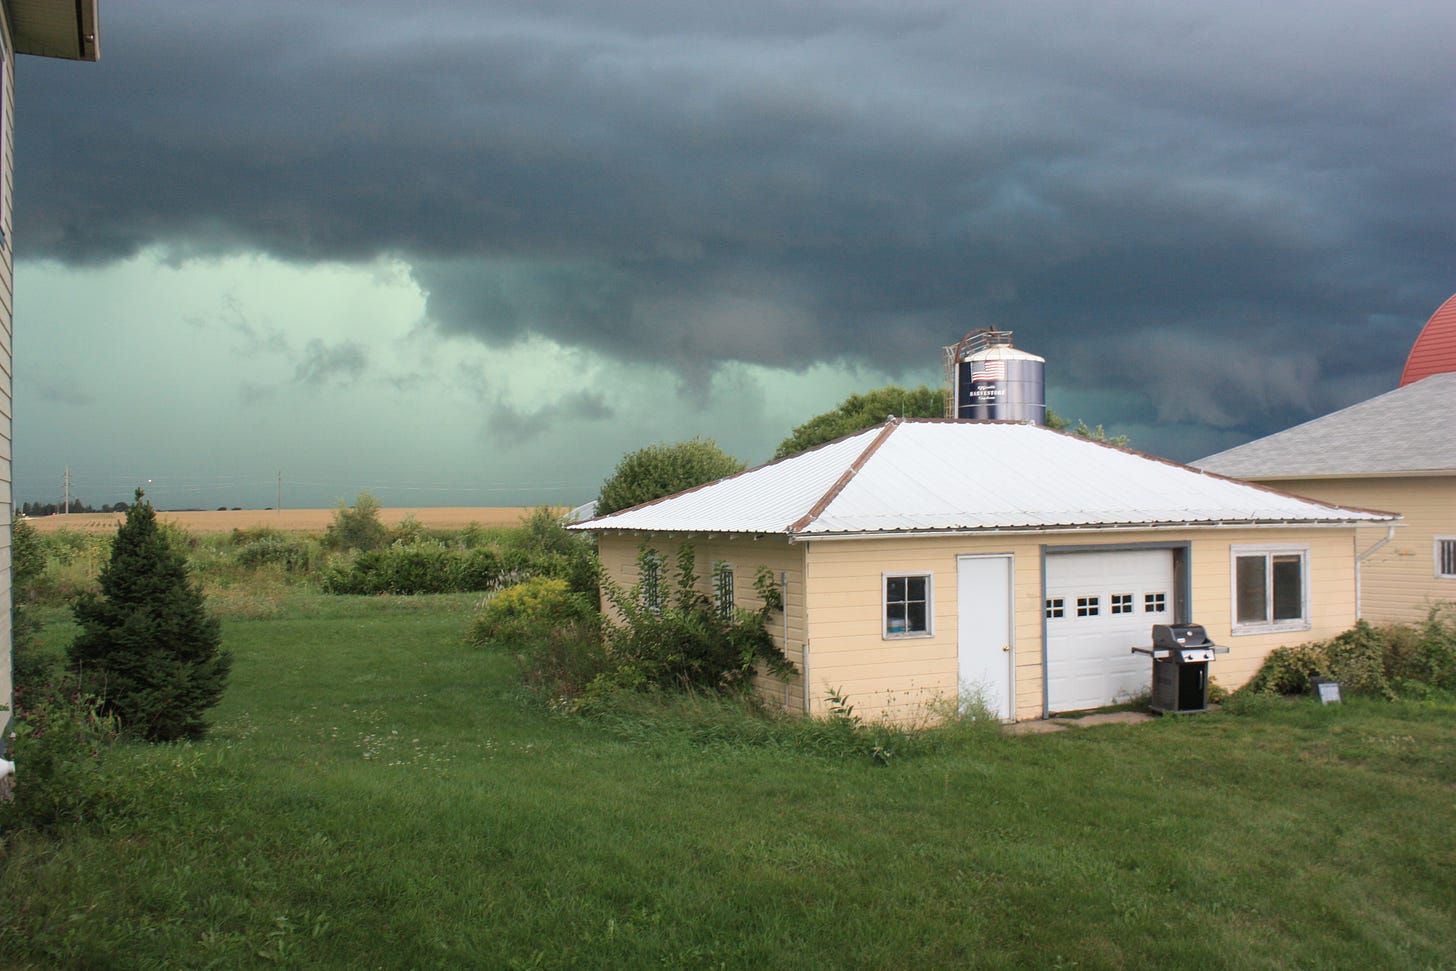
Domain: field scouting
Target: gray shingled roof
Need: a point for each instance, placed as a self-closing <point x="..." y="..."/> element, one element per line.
<point x="1408" y="430"/>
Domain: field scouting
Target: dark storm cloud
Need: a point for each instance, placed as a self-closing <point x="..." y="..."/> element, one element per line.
<point x="1253" y="196"/>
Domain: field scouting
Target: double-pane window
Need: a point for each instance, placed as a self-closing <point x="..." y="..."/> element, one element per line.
<point x="1269" y="588"/>
<point x="907" y="605"/>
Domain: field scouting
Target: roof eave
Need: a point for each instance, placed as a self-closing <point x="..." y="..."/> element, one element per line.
<point x="1098" y="528"/>
<point x="66" y="29"/>
<point x="1371" y="474"/>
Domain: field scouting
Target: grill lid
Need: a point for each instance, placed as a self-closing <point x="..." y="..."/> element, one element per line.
<point x="1176" y="636"/>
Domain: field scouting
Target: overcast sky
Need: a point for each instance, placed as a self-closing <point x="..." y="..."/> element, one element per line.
<point x="470" y="253"/>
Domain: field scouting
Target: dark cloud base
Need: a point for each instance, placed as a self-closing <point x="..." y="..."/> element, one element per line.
<point x="1227" y="219"/>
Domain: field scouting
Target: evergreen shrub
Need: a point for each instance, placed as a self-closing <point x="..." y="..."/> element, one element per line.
<point x="147" y="646"/>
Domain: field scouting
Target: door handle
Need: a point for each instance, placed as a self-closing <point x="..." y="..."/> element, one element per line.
<point x="1006" y="647"/>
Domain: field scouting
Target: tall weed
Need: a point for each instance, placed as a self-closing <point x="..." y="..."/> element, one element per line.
<point x="58" y="739"/>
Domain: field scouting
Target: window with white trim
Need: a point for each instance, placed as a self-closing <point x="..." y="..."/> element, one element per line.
<point x="1446" y="556"/>
<point x="1055" y="607"/>
<point x="1088" y="606"/>
<point x="1122" y="603"/>
<point x="723" y="588"/>
<point x="908" y="606"/>
<point x="649" y="579"/>
<point x="1270" y="589"/>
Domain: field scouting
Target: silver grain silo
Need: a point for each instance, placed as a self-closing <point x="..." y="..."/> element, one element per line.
<point x="990" y="379"/>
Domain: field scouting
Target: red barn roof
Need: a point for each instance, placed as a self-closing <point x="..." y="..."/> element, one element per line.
<point x="1434" y="352"/>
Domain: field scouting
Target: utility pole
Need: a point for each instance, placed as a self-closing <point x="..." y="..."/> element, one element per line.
<point x="66" y="491"/>
<point x="279" y="506"/>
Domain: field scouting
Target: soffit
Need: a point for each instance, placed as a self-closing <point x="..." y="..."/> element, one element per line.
<point x="55" y="28"/>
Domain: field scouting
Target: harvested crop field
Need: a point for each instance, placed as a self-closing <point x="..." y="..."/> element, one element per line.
<point x="292" y="520"/>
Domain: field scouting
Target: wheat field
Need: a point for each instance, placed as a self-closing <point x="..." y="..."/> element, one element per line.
<point x="292" y="520"/>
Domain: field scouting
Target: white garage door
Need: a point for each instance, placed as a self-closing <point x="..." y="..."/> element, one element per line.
<point x="1098" y="606"/>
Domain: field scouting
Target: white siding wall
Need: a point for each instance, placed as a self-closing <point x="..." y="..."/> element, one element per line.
<point x="7" y="137"/>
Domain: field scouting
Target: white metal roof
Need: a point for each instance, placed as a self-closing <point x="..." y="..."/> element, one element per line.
<point x="927" y="475"/>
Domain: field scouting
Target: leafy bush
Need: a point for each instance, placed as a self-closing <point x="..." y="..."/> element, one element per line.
<point x="358" y="528"/>
<point x="1387" y="661"/>
<point x="59" y="738"/>
<point x="553" y="632"/>
<point x="253" y="549"/>
<point x="27" y="566"/>
<point x="1356" y="659"/>
<point x="426" y="567"/>
<point x="525" y="609"/>
<point x="1425" y="653"/>
<point x="689" y="642"/>
<point x="410" y="530"/>
<point x="553" y="551"/>
<point x="70" y="563"/>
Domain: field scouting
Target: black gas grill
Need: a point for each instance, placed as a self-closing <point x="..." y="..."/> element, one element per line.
<point x="1180" y="654"/>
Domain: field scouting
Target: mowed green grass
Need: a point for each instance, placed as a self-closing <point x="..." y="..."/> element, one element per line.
<point x="377" y="794"/>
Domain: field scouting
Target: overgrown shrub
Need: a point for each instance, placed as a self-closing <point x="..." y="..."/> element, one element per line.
<point x="553" y="632"/>
<point x="71" y="561"/>
<point x="358" y="528"/>
<point x="1388" y="661"/>
<point x="1356" y="659"/>
<point x="27" y="566"/>
<point x="525" y="609"/>
<point x="688" y="642"/>
<point x="60" y="737"/>
<point x="425" y="567"/>
<point x="409" y="531"/>
<point x="1424" y="654"/>
<point x="554" y="551"/>
<point x="257" y="548"/>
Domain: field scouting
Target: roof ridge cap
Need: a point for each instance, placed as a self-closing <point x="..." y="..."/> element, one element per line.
<point x="816" y="510"/>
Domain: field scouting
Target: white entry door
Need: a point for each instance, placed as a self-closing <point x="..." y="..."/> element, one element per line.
<point x="1099" y="605"/>
<point x="984" y="630"/>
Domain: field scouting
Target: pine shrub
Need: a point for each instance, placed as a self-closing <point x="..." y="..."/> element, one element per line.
<point x="148" y="648"/>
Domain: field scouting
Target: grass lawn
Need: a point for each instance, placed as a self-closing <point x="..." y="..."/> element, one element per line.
<point x="377" y="794"/>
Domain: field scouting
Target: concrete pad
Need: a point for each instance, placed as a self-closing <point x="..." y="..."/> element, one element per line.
<point x="1108" y="718"/>
<point x="1042" y="726"/>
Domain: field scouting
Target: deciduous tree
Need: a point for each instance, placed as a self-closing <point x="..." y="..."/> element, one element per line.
<point x="660" y="470"/>
<point x="861" y="411"/>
